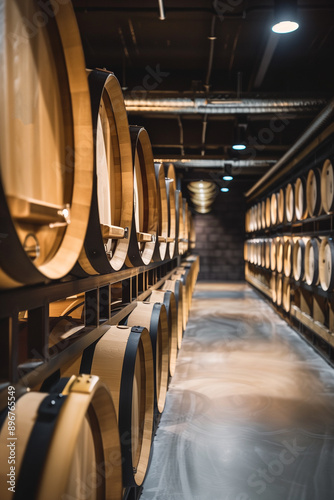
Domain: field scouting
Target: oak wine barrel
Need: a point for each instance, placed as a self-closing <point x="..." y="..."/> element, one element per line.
<point x="46" y="146"/>
<point x="312" y="261"/>
<point x="259" y="216"/>
<point x="273" y="287"/>
<point x="313" y="192"/>
<point x="123" y="359"/>
<point x="280" y="206"/>
<point x="178" y="276"/>
<point x="300" y="199"/>
<point x="327" y="186"/>
<point x="279" y="289"/>
<point x="287" y="257"/>
<point x="279" y="255"/>
<point x="286" y="295"/>
<point x="153" y="317"/>
<point x="168" y="299"/>
<point x="62" y="438"/>
<point x="273" y="254"/>
<point x="268" y="213"/>
<point x="145" y="210"/>
<point x="180" y="229"/>
<point x="162" y="233"/>
<point x="326" y="264"/>
<point x="177" y="288"/>
<point x="111" y="213"/>
<point x="299" y="259"/>
<point x="170" y="178"/>
<point x="273" y="209"/>
<point x="289" y="203"/>
<point x="263" y="214"/>
<point x="267" y="253"/>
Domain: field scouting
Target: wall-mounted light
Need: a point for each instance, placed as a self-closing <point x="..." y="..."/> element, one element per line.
<point x="285" y="16"/>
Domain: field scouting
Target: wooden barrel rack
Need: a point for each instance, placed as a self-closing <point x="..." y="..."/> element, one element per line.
<point x="93" y="233"/>
<point x="298" y="278"/>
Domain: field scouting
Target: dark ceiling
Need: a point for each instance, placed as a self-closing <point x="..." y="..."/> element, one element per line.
<point x="171" y="70"/>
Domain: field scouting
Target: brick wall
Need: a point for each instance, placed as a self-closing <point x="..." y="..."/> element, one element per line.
<point x="220" y="238"/>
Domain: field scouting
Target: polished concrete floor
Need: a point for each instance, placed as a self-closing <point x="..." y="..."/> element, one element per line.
<point x="250" y="410"/>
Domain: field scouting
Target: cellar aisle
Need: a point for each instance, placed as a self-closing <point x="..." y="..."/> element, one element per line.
<point x="249" y="412"/>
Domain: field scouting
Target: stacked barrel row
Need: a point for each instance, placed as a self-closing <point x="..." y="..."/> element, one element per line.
<point x="308" y="197"/>
<point x="88" y="432"/>
<point x="79" y="190"/>
<point x="309" y="259"/>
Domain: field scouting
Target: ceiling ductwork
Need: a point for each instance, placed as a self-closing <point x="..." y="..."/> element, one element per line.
<point x="200" y="105"/>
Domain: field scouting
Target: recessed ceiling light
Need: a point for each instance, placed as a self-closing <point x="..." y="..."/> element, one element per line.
<point x="238" y="147"/>
<point x="224" y="190"/>
<point x="285" y="27"/>
<point x="227" y="178"/>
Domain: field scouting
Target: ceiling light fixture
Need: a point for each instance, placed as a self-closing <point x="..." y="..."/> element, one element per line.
<point x="224" y="190"/>
<point x="285" y="16"/>
<point x="227" y="178"/>
<point x="239" y="137"/>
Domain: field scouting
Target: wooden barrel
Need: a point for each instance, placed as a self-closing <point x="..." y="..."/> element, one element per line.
<point x="145" y="209"/>
<point x="280" y="206"/>
<point x="287" y="257"/>
<point x="168" y="299"/>
<point x="273" y="287"/>
<point x="246" y="251"/>
<point x="300" y="199"/>
<point x="273" y="254"/>
<point x="313" y="192"/>
<point x="251" y="224"/>
<point x="267" y="253"/>
<point x="268" y="213"/>
<point x="326" y="264"/>
<point x="289" y="203"/>
<point x="273" y="209"/>
<point x="263" y="214"/>
<point x="45" y="189"/>
<point x="170" y="178"/>
<point x="61" y="440"/>
<point x="192" y="262"/>
<point x="259" y="216"/>
<point x="312" y="261"/>
<point x="111" y="214"/>
<point x="263" y="253"/>
<point x="162" y="233"/>
<point x="286" y="295"/>
<point x="153" y="316"/>
<point x="327" y="186"/>
<point x="279" y="289"/>
<point x="299" y="259"/>
<point x="185" y="212"/>
<point x="279" y="255"/>
<point x="123" y="359"/>
<point x="247" y="221"/>
<point x="180" y="229"/>
<point x="177" y="288"/>
<point x="178" y="276"/>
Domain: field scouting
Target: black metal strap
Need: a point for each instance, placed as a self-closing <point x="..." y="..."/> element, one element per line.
<point x="125" y="404"/>
<point x="87" y="358"/>
<point x="38" y="444"/>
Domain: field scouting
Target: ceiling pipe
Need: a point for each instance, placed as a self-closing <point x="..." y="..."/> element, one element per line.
<point x="161" y="10"/>
<point x="316" y="126"/>
<point x="198" y="105"/>
<point x="206" y="163"/>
